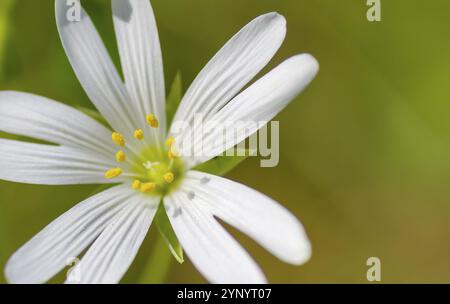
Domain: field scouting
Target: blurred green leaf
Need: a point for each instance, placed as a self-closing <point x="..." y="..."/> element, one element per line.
<point x="166" y="231"/>
<point x="174" y="97"/>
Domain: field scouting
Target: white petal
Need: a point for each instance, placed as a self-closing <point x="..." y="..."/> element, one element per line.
<point x="95" y="70"/>
<point x="39" y="117"/>
<point x="51" y="165"/>
<point x="253" y="213"/>
<point x="254" y="107"/>
<point x="113" y="252"/>
<point x="64" y="239"/>
<point x="213" y="251"/>
<point x="140" y="54"/>
<point x="233" y="67"/>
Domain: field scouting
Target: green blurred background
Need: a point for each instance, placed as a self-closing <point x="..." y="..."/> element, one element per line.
<point x="365" y="160"/>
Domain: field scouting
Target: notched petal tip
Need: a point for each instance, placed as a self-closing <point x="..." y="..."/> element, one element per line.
<point x="276" y="16"/>
<point x="277" y="20"/>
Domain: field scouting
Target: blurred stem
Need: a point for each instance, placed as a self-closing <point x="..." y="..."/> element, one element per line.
<point x="158" y="266"/>
<point x="5" y="8"/>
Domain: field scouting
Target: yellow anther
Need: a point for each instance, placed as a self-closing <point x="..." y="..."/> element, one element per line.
<point x="170" y="141"/>
<point x="113" y="173"/>
<point x="139" y="134"/>
<point x="136" y="185"/>
<point x="169" y="177"/>
<point x="118" y="139"/>
<point x="152" y="120"/>
<point x="147" y="187"/>
<point x="120" y="156"/>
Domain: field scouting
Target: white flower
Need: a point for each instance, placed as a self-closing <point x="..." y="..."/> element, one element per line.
<point x="111" y="225"/>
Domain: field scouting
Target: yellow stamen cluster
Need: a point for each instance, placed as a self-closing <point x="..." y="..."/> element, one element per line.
<point x="113" y="173"/>
<point x="139" y="134"/>
<point x="121" y="157"/>
<point x="158" y="174"/>
<point x="152" y="121"/>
